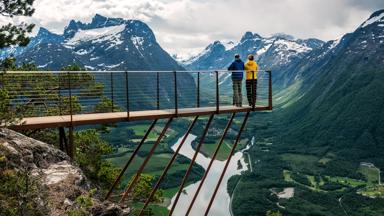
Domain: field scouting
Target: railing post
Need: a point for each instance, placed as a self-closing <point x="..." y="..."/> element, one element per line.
<point x="217" y="92"/>
<point x="127" y="93"/>
<point x="71" y="150"/>
<point x="158" y="89"/>
<point x="59" y="80"/>
<point x="198" y="89"/>
<point x="70" y="96"/>
<point x="176" y="101"/>
<point x="112" y="95"/>
<point x="270" y="106"/>
<point x="253" y="89"/>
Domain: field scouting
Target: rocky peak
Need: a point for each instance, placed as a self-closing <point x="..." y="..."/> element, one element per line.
<point x="249" y="36"/>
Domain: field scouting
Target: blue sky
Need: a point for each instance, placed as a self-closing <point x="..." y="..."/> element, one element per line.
<point x="186" y="26"/>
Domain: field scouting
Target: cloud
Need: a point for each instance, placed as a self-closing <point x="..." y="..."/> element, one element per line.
<point x="186" y="26"/>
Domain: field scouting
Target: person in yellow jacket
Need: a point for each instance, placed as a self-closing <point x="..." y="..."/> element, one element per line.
<point x="251" y="68"/>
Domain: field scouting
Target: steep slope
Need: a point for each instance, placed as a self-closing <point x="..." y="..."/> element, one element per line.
<point x="342" y="106"/>
<point x="316" y="142"/>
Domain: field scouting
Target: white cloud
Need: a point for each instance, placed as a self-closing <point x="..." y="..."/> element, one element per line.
<point x="185" y="26"/>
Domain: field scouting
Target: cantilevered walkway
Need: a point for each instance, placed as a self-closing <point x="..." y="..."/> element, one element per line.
<point x="65" y="99"/>
<point x="68" y="99"/>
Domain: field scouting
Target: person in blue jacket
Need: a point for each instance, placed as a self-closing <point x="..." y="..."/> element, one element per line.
<point x="237" y="68"/>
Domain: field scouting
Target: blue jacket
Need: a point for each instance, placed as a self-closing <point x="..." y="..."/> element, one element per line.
<point x="237" y="66"/>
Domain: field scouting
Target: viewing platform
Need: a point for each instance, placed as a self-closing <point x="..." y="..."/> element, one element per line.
<point x="54" y="99"/>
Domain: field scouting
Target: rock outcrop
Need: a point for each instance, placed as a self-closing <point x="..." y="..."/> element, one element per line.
<point x="60" y="183"/>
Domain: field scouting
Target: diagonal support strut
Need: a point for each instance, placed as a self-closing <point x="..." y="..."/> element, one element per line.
<point x="130" y="159"/>
<point x="137" y="176"/>
<point x="227" y="163"/>
<point x="191" y="164"/>
<point x="168" y="166"/>
<point x="210" y="163"/>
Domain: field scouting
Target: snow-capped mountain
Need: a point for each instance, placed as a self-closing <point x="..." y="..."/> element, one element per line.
<point x="103" y="44"/>
<point x="278" y="53"/>
<point x="273" y="52"/>
<point x="108" y="44"/>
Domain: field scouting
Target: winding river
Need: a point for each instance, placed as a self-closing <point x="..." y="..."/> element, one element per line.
<point x="222" y="201"/>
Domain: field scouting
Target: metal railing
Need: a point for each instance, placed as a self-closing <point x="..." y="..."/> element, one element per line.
<point x="52" y="93"/>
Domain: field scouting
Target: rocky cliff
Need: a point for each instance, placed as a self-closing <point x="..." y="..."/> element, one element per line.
<point x="38" y="179"/>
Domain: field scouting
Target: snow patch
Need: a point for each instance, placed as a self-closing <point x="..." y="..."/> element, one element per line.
<point x="373" y="20"/>
<point x="89" y="67"/>
<point x="137" y="41"/>
<point x="97" y="35"/>
<point x="228" y="45"/>
<point x="335" y="43"/>
<point x="263" y="50"/>
<point x="114" y="66"/>
<point x="81" y="52"/>
<point x="45" y="65"/>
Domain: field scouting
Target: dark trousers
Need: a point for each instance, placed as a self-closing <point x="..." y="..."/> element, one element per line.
<point x="237" y="96"/>
<point x="251" y="86"/>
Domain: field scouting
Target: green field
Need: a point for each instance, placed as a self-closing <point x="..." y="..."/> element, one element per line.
<point x="300" y="162"/>
<point x="370" y="173"/>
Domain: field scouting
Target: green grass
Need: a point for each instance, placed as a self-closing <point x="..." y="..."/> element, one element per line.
<point x="346" y="181"/>
<point x="300" y="162"/>
<point x="170" y="192"/>
<point x="209" y="148"/>
<point x="370" y="173"/>
<point x="373" y="191"/>
<point x="287" y="176"/>
<point x="155" y="165"/>
<point x="157" y="210"/>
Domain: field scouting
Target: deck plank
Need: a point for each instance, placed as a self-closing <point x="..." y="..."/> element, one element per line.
<point x="107" y="118"/>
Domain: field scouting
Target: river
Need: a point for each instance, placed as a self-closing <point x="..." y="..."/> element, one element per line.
<point x="220" y="206"/>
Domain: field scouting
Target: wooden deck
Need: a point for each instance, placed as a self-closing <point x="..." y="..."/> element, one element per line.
<point x="104" y="118"/>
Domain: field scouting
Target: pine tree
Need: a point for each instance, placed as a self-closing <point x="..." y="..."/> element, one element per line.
<point x="15" y="34"/>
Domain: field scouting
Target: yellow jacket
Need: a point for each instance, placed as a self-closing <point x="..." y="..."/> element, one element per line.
<point x="251" y="66"/>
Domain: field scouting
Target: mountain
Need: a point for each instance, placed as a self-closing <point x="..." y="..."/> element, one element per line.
<point x="343" y="84"/>
<point x="319" y="141"/>
<point x="109" y="44"/>
<point x="277" y="53"/>
<point x="103" y="44"/>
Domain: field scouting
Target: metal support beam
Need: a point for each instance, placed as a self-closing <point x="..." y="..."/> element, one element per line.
<point x="70" y="96"/>
<point x="59" y="93"/>
<point x="270" y="106"/>
<point x="71" y="147"/>
<point x="191" y="164"/>
<point x="198" y="89"/>
<point x="176" y="96"/>
<point x="112" y="95"/>
<point x="158" y="90"/>
<point x="137" y="176"/>
<point x="210" y="163"/>
<point x="127" y="93"/>
<point x="63" y="140"/>
<point x="227" y="163"/>
<point x="130" y="159"/>
<point x="168" y="165"/>
<point x="217" y="93"/>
